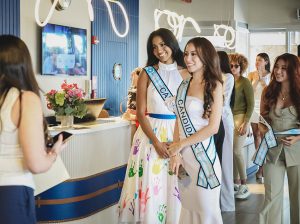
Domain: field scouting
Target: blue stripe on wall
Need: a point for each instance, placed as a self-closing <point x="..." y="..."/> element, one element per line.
<point x="113" y="49"/>
<point x="75" y="188"/>
<point x="10" y="17"/>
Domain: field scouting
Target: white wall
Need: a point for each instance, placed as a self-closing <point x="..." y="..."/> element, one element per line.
<point x="201" y="11"/>
<point x="76" y="16"/>
<point x="273" y="14"/>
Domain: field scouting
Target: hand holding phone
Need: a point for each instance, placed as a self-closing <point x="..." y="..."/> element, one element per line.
<point x="66" y="137"/>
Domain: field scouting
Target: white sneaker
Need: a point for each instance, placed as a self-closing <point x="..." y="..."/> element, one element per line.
<point x="243" y="192"/>
<point x="236" y="188"/>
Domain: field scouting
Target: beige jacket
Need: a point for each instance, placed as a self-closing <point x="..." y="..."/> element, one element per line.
<point x="282" y="120"/>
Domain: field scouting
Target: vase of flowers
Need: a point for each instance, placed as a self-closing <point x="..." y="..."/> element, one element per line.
<point x="67" y="103"/>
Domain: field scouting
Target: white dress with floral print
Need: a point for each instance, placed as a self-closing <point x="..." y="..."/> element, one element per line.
<point x="150" y="192"/>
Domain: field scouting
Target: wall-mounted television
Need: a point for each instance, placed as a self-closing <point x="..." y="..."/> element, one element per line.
<point x="64" y="50"/>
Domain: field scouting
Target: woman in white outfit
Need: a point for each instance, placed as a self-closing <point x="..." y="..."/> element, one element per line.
<point x="202" y="94"/>
<point x="23" y="148"/>
<point x="259" y="80"/>
<point x="227" y="192"/>
<point x="150" y="192"/>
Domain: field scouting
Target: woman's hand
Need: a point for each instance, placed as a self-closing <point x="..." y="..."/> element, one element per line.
<point x="290" y="140"/>
<point x="162" y="149"/>
<point x="58" y="146"/>
<point x="174" y="148"/>
<point x="175" y="163"/>
<point x="242" y="130"/>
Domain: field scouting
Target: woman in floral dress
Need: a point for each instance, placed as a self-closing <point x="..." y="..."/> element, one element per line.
<point x="150" y="192"/>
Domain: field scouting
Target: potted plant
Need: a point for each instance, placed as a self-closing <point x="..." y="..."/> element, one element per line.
<point x="67" y="103"/>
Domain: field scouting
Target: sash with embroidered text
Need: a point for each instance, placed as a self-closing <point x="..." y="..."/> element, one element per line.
<point x="207" y="176"/>
<point x="269" y="141"/>
<point x="158" y="83"/>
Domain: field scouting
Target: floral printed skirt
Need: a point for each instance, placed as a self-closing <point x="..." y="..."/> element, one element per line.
<point x="150" y="192"/>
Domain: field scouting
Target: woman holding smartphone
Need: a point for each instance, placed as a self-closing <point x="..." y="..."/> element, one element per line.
<point x="23" y="133"/>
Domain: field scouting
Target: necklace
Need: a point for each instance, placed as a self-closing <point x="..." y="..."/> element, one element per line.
<point x="283" y="96"/>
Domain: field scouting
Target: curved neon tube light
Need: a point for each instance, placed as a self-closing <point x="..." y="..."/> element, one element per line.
<point x="112" y="18"/>
<point x="37" y="16"/>
<point x="90" y="9"/>
<point x="175" y="21"/>
<point x="91" y="14"/>
<point x="229" y="43"/>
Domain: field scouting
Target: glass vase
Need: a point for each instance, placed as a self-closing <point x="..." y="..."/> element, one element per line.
<point x="67" y="121"/>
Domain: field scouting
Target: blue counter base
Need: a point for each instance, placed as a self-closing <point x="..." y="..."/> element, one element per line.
<point x="79" y="198"/>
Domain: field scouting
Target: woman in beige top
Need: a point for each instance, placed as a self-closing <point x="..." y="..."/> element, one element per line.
<point x="280" y="107"/>
<point x="259" y="80"/>
<point x="22" y="138"/>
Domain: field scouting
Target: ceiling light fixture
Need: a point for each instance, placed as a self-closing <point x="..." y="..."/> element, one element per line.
<point x="228" y="31"/>
<point x="175" y="21"/>
<point x="112" y="18"/>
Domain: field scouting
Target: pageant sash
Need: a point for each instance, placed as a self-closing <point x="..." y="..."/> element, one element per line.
<point x="158" y="83"/>
<point x="207" y="175"/>
<point x="269" y="141"/>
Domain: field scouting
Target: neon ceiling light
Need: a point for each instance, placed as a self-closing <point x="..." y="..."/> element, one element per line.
<point x="228" y="31"/>
<point x="91" y="14"/>
<point x="177" y="24"/>
<point x="37" y="15"/>
<point x="112" y="18"/>
<point x="175" y="21"/>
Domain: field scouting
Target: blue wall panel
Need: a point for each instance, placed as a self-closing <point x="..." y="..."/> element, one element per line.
<point x="113" y="49"/>
<point x="10" y="17"/>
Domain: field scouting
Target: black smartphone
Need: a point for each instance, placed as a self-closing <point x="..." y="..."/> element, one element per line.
<point x="66" y="136"/>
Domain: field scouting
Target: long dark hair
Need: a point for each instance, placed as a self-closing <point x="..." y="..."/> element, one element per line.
<point x="170" y="40"/>
<point x="225" y="68"/>
<point x="15" y="67"/>
<point x="272" y="91"/>
<point x="212" y="72"/>
<point x="265" y="56"/>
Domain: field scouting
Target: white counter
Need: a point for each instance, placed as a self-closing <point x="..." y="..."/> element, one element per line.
<point x="96" y="150"/>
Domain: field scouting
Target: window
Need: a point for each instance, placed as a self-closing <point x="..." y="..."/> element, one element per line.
<point x="272" y="43"/>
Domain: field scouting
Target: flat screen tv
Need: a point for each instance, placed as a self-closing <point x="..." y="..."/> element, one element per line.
<point x="63" y="50"/>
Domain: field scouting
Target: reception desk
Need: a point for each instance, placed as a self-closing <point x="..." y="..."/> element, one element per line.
<point x="95" y="158"/>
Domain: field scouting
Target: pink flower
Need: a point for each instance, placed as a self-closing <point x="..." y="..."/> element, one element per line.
<point x="52" y="92"/>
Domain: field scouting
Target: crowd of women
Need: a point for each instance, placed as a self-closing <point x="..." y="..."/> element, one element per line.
<point x="184" y="167"/>
<point x="195" y="110"/>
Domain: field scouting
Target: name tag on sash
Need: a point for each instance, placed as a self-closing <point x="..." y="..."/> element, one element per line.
<point x="206" y="176"/>
<point x="158" y="83"/>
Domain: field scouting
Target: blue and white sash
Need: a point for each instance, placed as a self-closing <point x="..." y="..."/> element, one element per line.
<point x="207" y="175"/>
<point x="269" y="141"/>
<point x="158" y="83"/>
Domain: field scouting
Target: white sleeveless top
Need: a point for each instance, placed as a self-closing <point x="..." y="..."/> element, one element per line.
<point x="195" y="110"/>
<point x="258" y="91"/>
<point x="172" y="78"/>
<point x="12" y="165"/>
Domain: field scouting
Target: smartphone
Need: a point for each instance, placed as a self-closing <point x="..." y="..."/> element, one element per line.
<point x="66" y="136"/>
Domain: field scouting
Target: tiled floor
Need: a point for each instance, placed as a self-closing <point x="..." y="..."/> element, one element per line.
<point x="247" y="211"/>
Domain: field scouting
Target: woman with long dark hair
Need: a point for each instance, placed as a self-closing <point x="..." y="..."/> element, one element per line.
<point x="227" y="192"/>
<point x="193" y="136"/>
<point x="150" y="191"/>
<point x="22" y="138"/>
<point x="259" y="80"/>
<point x="280" y="107"/>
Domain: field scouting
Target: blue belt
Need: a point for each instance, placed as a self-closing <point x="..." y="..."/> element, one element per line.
<point x="163" y="116"/>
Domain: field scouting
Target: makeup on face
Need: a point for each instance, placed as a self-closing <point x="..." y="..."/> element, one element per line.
<point x="192" y="59"/>
<point x="280" y="71"/>
<point x="161" y="50"/>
